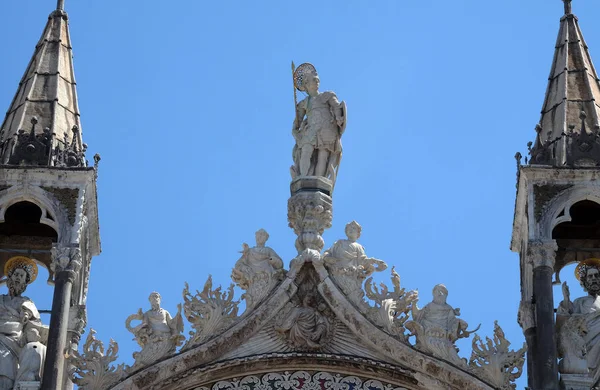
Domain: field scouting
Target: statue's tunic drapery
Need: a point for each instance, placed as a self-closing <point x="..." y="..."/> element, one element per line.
<point x="590" y="307"/>
<point x="13" y="311"/>
<point x="320" y="128"/>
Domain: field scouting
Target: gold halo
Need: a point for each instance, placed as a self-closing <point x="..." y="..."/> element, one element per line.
<point x="24" y="263"/>
<point x="591" y="261"/>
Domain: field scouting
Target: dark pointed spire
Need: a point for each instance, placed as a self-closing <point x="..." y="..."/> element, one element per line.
<point x="573" y="87"/>
<point x="48" y="92"/>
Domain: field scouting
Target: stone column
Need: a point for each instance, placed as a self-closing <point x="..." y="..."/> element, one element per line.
<point x="527" y="321"/>
<point x="545" y="367"/>
<point x="66" y="262"/>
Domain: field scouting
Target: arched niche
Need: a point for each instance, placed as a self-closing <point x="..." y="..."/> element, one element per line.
<point x="27" y="229"/>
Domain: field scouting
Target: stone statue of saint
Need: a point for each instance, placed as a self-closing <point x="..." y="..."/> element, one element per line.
<point x="571" y="328"/>
<point x="318" y="127"/>
<point x="18" y="314"/>
<point x="347" y="262"/>
<point x="305" y="327"/>
<point x="258" y="271"/>
<point x="31" y="358"/>
<point x="437" y="327"/>
<point x="158" y="334"/>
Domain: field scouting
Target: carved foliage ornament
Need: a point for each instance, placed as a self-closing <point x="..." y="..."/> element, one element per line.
<point x="209" y="311"/>
<point x="93" y="369"/>
<point x="494" y="362"/>
<point x="542" y="253"/>
<point x="65" y="259"/>
<point x="301" y="380"/>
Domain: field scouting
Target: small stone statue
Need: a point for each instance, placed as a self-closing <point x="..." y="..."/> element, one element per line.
<point x="437" y="327"/>
<point x="305" y="327"/>
<point x="31" y="358"/>
<point x="18" y="314"/>
<point x="258" y="271"/>
<point x="159" y="334"/>
<point x="347" y="262"/>
<point x="578" y="324"/>
<point x="318" y="127"/>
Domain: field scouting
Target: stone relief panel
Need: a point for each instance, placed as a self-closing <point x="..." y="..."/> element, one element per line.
<point x="301" y="380"/>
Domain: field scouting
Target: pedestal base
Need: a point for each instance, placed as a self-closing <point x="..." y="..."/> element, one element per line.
<point x="311" y="184"/>
<point x="575" y="382"/>
<point x="27" y="385"/>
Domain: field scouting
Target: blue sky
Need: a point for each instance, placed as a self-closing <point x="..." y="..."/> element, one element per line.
<point x="190" y="105"/>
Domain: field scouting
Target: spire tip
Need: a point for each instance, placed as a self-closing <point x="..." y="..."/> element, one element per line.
<point x="567" y="7"/>
<point x="60" y="5"/>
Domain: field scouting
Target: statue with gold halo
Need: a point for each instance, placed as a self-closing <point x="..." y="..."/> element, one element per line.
<point x="18" y="315"/>
<point x="578" y="324"/>
<point x="318" y="126"/>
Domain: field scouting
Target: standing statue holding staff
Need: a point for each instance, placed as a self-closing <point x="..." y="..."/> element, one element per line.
<point x="318" y="126"/>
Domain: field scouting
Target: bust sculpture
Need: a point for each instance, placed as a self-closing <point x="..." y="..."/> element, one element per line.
<point x="578" y="324"/>
<point x="158" y="334"/>
<point x="258" y="270"/>
<point x="437" y="327"/>
<point x="18" y="314"/>
<point x="347" y="261"/>
<point x="318" y="126"/>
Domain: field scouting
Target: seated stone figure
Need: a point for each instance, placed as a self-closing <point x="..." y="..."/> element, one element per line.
<point x="31" y="358"/>
<point x="258" y="271"/>
<point x="347" y="262"/>
<point x="437" y="327"/>
<point x="578" y="324"/>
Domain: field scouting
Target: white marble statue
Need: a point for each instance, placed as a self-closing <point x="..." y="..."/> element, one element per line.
<point x="258" y="271"/>
<point x="158" y="334"/>
<point x="318" y="127"/>
<point x="31" y="358"/>
<point x="349" y="265"/>
<point x="18" y="314"/>
<point x="578" y="324"/>
<point x="437" y="327"/>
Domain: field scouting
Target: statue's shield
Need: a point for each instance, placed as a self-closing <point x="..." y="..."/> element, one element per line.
<point x="345" y="114"/>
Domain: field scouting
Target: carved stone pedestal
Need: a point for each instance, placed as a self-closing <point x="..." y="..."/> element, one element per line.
<point x="34" y="385"/>
<point x="576" y="382"/>
<point x="309" y="211"/>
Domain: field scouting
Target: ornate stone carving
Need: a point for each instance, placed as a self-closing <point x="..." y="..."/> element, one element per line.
<point x="318" y="126"/>
<point x="301" y="380"/>
<point x="65" y="259"/>
<point x="578" y="325"/>
<point x="77" y="324"/>
<point x="258" y="271"/>
<point x="347" y="262"/>
<point x="93" y="369"/>
<point x="437" y="327"/>
<point x="493" y="362"/>
<point x="392" y="308"/>
<point x="543" y="194"/>
<point x="158" y="334"/>
<point x="306" y="321"/>
<point x="209" y="311"/>
<point x="67" y="197"/>
<point x="542" y="253"/>
<point x="309" y="214"/>
<point x="18" y="318"/>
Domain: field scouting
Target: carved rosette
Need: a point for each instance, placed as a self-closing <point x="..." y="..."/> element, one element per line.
<point x="542" y="253"/>
<point x="93" y="369"/>
<point x="309" y="214"/>
<point x="493" y="362"/>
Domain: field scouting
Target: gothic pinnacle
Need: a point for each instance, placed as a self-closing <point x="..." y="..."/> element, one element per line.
<point x="567" y="6"/>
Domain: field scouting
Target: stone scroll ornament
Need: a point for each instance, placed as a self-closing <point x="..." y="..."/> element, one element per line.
<point x="578" y="326"/>
<point x="20" y="325"/>
<point x="319" y="123"/>
<point x="392" y="308"/>
<point x="209" y="311"/>
<point x="92" y="369"/>
<point x="347" y="262"/>
<point x="493" y="362"/>
<point x="258" y="271"/>
<point x="437" y="327"/>
<point x="158" y="333"/>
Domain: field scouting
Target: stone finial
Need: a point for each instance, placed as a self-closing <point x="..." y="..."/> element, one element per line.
<point x="568" y="10"/>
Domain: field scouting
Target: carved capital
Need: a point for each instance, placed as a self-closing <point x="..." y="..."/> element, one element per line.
<point x="67" y="259"/>
<point x="309" y="214"/>
<point x="541" y="253"/>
